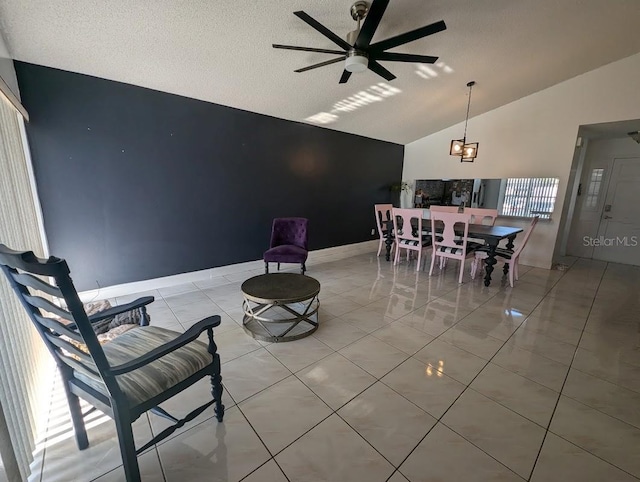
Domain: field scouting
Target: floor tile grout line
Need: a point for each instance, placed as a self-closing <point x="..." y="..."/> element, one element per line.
<point x="608" y="381"/>
<point x="335" y="351"/>
<point x="564" y="382"/>
<point x="332" y="412"/>
<point x="468" y="386"/>
<point x="272" y="456"/>
<point x="594" y="455"/>
<point x="335" y="411"/>
<point x="378" y="379"/>
<point x="600" y="411"/>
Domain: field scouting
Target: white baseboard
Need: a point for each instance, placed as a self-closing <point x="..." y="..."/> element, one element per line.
<point x="315" y="257"/>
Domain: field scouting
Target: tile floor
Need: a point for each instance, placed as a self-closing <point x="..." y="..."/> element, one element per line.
<point x="408" y="378"/>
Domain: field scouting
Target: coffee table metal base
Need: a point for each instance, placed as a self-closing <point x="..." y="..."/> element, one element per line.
<point x="279" y="322"/>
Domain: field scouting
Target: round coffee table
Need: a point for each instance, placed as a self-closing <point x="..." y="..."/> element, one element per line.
<point x="280" y="306"/>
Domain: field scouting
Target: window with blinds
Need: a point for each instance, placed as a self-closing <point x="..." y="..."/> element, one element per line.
<point x="528" y="197"/>
<point x="26" y="367"/>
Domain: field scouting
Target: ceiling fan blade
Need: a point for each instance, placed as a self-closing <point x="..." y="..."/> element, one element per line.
<point x="371" y="22"/>
<point x="308" y="49"/>
<point x="380" y="70"/>
<point x="344" y="77"/>
<point x="321" y="64"/>
<point x="394" y="57"/>
<point x="408" y="36"/>
<point x="323" y="30"/>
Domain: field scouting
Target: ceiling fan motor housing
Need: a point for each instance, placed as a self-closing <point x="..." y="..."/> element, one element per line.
<point x="356" y="62"/>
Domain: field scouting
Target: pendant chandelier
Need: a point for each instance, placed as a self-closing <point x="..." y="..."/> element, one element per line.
<point x="467" y="151"/>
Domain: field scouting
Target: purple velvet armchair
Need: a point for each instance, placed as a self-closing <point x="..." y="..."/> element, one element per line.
<point x="289" y="239"/>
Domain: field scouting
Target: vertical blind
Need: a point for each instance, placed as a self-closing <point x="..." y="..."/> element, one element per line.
<point x="25" y="365"/>
<point x="530" y="197"/>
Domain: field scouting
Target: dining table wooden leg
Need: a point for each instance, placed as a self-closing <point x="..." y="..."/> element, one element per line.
<point x="489" y="262"/>
<point x="509" y="246"/>
<point x="389" y="240"/>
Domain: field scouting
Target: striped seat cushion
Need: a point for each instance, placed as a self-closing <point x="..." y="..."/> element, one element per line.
<point x="156" y="377"/>
<point x="454" y="250"/>
<point x="426" y="241"/>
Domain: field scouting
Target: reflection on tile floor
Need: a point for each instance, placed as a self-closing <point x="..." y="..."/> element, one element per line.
<point x="408" y="378"/>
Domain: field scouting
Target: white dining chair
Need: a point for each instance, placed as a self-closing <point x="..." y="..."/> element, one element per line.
<point x="510" y="258"/>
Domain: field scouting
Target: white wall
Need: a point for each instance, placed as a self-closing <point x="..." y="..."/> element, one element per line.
<point x="532" y="137"/>
<point x="7" y="72"/>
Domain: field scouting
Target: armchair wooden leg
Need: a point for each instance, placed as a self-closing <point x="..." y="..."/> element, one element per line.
<point x="216" y="378"/>
<point x="143" y="316"/>
<point x="278" y="266"/>
<point x="266" y="268"/>
<point x="127" y="445"/>
<point x="303" y="268"/>
<point x="76" y="416"/>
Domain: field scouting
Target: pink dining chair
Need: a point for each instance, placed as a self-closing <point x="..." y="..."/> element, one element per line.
<point x="447" y="244"/>
<point x="444" y="209"/>
<point x="482" y="215"/>
<point x="383" y="214"/>
<point x="405" y="237"/>
<point x="511" y="258"/>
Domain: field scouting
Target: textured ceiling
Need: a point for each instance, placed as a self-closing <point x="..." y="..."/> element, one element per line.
<point x="220" y="51"/>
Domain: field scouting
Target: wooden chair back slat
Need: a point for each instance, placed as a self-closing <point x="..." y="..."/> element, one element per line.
<point x="80" y="367"/>
<point x="36" y="283"/>
<point x="57" y="327"/>
<point x="39" y="302"/>
<point x="69" y="347"/>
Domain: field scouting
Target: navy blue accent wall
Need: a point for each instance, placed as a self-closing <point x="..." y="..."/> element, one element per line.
<point x="137" y="184"/>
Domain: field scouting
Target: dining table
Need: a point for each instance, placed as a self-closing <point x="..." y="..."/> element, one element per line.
<point x="491" y="235"/>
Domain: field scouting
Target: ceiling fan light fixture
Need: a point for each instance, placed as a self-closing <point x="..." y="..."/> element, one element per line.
<point x="356" y="63"/>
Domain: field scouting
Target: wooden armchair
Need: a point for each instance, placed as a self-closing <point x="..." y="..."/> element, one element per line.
<point x="127" y="376"/>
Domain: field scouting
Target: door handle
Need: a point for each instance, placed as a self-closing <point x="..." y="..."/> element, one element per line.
<point x="608" y="217"/>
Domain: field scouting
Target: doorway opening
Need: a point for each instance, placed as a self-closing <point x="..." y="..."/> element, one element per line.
<point x="602" y="220"/>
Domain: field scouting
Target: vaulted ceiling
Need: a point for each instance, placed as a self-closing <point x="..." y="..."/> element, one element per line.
<point x="220" y="51"/>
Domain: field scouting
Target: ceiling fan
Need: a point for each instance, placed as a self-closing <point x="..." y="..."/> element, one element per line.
<point x="359" y="52"/>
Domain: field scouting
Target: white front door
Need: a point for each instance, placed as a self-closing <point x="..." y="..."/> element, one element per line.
<point x="618" y="237"/>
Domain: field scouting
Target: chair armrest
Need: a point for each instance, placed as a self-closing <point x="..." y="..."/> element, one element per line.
<point x="116" y="310"/>
<point x="185" y="338"/>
